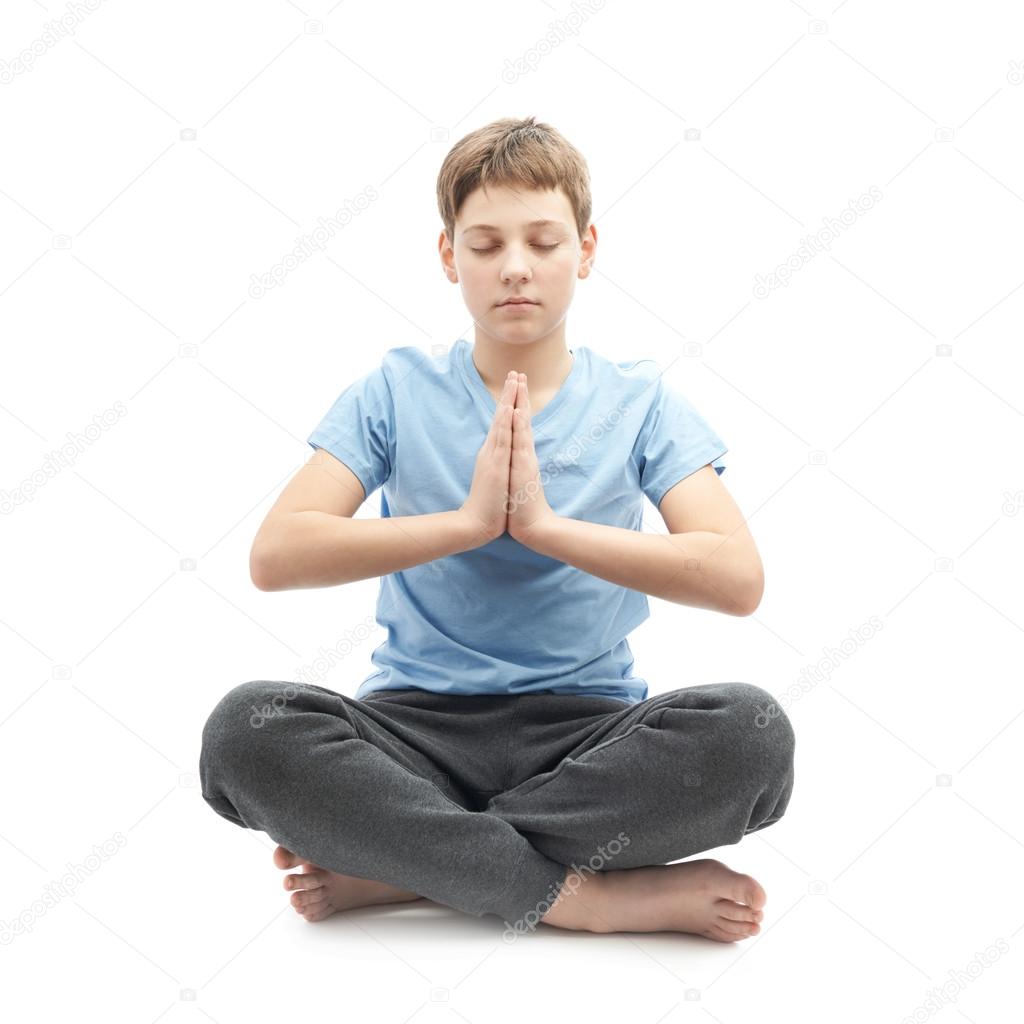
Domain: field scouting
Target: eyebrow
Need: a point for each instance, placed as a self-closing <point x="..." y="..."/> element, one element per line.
<point x="532" y="224"/>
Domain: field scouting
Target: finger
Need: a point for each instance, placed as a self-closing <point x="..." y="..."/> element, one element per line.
<point x="507" y="397"/>
<point x="507" y="394"/>
<point x="524" y="435"/>
<point x="523" y="396"/>
<point x="520" y="399"/>
<point x="503" y="434"/>
<point x="513" y="394"/>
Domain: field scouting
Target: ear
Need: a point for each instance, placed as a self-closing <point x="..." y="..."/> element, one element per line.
<point x="588" y="250"/>
<point x="447" y="257"/>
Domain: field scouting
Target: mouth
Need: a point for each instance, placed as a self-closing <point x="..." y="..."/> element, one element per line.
<point x="518" y="302"/>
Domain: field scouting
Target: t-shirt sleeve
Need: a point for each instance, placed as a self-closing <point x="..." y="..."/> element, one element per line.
<point x="358" y="429"/>
<point x="674" y="441"/>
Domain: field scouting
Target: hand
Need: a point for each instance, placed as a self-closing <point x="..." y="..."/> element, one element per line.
<point x="485" y="506"/>
<point x="528" y="507"/>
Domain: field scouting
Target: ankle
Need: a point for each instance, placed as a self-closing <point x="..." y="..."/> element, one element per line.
<point x="384" y="892"/>
<point x="581" y="903"/>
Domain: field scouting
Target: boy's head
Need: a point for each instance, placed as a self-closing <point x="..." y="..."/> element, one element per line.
<point x="505" y="176"/>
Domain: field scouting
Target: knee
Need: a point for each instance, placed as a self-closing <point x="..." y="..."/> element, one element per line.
<point x="751" y="732"/>
<point x="761" y="728"/>
<point x="240" y="715"/>
<point x="247" y="705"/>
<point x="757" y="708"/>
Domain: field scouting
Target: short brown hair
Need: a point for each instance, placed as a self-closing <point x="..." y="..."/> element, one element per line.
<point x="513" y="152"/>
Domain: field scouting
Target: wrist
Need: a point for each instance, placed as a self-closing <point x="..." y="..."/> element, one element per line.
<point x="534" y="535"/>
<point x="471" y="530"/>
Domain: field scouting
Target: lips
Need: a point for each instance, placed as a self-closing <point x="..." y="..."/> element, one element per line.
<point x="518" y="302"/>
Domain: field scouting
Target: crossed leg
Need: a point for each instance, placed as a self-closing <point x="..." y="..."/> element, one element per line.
<point x="702" y="767"/>
<point x="677" y="774"/>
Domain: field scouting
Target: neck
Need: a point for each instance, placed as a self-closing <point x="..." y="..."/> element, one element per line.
<point x="546" y="362"/>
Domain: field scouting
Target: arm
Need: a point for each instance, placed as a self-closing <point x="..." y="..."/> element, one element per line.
<point x="317" y="549"/>
<point x="707" y="560"/>
<point x="309" y="538"/>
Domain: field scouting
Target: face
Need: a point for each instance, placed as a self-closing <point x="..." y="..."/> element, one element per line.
<point x="511" y="256"/>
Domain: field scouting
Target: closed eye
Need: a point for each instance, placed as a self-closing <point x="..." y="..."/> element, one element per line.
<point x="493" y="247"/>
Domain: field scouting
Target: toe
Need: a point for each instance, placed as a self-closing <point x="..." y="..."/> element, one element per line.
<point x="308" y="898"/>
<point x="284" y="858"/>
<point x="737" y="911"/>
<point x="752" y="893"/>
<point x="305" y="880"/>
<point x="317" y="911"/>
<point x="738" y="929"/>
<point x="732" y="885"/>
<point x="716" y="933"/>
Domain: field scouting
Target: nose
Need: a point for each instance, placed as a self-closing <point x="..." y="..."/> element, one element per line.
<point x="516" y="266"/>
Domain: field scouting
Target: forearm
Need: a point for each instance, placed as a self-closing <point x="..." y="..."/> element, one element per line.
<point x="315" y="549"/>
<point x="700" y="568"/>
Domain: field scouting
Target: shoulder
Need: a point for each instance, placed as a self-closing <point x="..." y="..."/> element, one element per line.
<point x="398" y="367"/>
<point x="423" y="366"/>
<point x="635" y="383"/>
<point x="624" y="372"/>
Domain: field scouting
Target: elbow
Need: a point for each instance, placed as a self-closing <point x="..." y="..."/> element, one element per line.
<point x="754" y="593"/>
<point x="258" y="570"/>
<point x="265" y="555"/>
<point x="744" y="594"/>
<point x="752" y="589"/>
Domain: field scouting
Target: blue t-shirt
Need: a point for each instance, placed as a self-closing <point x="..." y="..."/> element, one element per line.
<point x="501" y="618"/>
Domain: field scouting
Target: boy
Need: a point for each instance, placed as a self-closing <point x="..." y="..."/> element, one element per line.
<point x="503" y="745"/>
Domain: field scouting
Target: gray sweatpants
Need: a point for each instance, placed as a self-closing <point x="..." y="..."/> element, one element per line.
<point x="486" y="802"/>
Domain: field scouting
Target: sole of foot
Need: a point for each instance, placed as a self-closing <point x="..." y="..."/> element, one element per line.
<point x="317" y="892"/>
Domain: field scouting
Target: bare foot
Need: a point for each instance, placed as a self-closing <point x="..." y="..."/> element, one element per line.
<point x="320" y="893"/>
<point x="700" y="896"/>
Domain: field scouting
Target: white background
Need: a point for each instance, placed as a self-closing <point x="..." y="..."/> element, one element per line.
<point x="872" y="408"/>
